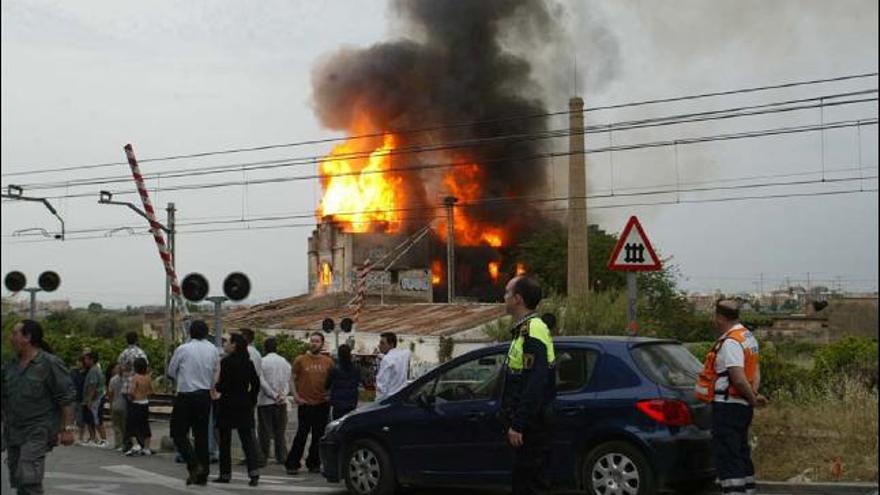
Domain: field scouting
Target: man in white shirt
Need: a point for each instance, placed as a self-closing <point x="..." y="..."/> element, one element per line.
<point x="736" y="393"/>
<point x="394" y="367"/>
<point x="192" y="366"/>
<point x="272" y="401"/>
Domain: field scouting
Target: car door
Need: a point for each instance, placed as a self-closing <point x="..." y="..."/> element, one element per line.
<point x="574" y="371"/>
<point x="447" y="429"/>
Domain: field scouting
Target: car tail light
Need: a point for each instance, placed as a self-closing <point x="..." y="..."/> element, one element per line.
<point x="665" y="411"/>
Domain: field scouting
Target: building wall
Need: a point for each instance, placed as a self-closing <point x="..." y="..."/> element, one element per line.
<point x="346" y="253"/>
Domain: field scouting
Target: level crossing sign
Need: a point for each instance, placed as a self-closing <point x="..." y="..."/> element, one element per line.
<point x="633" y="252"/>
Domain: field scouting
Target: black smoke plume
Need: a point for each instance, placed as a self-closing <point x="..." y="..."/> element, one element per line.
<point x="450" y="68"/>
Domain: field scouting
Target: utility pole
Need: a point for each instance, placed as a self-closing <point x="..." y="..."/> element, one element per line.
<point x="169" y="301"/>
<point x="449" y="202"/>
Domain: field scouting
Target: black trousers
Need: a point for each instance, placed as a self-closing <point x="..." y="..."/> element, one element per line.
<point x="532" y="458"/>
<point x="191" y="411"/>
<point x="247" y="444"/>
<point x="730" y="447"/>
<point x="312" y="420"/>
<point x="137" y="423"/>
<point x="272" y="420"/>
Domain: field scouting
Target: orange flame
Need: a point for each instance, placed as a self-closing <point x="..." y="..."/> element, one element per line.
<point x="359" y="192"/>
<point x="494" y="270"/>
<point x="325" y="277"/>
<point x="464" y="183"/>
<point x="436" y="272"/>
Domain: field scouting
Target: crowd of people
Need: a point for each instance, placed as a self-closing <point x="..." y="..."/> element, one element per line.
<point x="218" y="391"/>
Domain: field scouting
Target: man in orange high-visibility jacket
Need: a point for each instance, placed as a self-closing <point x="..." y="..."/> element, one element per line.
<point x="738" y="378"/>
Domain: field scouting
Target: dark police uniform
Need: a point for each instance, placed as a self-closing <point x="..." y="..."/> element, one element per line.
<point x="527" y="405"/>
<point x="32" y="401"/>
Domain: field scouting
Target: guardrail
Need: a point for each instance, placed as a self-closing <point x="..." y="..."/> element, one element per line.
<point x="160" y="407"/>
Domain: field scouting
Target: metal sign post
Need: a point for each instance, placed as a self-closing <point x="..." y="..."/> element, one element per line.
<point x="218" y="318"/>
<point x="633" y="253"/>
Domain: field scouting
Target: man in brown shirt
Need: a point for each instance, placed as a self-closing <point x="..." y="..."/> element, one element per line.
<point x="310" y="372"/>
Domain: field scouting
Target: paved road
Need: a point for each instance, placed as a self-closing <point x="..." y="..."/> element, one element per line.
<point x="97" y="471"/>
<point x="79" y="469"/>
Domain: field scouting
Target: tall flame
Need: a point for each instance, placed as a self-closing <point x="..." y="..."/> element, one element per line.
<point x="359" y="192"/>
<point x="494" y="270"/>
<point x="436" y="272"/>
<point x="326" y="274"/>
<point x="464" y="184"/>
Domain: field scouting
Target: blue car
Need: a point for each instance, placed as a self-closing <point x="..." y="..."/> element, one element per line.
<point x="627" y="423"/>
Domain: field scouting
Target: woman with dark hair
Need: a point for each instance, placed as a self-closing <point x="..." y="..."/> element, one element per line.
<point x="238" y="386"/>
<point x="343" y="382"/>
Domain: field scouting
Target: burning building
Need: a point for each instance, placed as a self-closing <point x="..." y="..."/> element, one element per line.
<point x="444" y="112"/>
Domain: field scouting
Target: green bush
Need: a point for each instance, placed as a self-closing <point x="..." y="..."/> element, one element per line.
<point x="289" y="347"/>
<point x="855" y="357"/>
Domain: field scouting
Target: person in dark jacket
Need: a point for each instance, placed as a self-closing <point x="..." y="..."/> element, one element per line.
<point x="238" y="386"/>
<point x="530" y="387"/>
<point x="343" y="383"/>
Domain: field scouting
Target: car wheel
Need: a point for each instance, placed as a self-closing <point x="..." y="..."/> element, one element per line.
<point x="617" y="468"/>
<point x="368" y="469"/>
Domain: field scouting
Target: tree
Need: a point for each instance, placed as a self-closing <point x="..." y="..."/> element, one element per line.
<point x="663" y="308"/>
<point x="546" y="253"/>
<point x="95" y="308"/>
<point x="107" y="327"/>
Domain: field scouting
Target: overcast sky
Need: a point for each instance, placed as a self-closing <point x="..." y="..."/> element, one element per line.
<point x="82" y="79"/>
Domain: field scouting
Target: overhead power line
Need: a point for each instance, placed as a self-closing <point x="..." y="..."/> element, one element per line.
<point x="628" y="205"/>
<point x="538" y="156"/>
<point x="728" y="113"/>
<point x="448" y="126"/>
<point x="519" y="200"/>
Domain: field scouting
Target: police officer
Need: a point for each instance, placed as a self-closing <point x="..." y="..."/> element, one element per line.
<point x="530" y="386"/>
<point x="37" y="401"/>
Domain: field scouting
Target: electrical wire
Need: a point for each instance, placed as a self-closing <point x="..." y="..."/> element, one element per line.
<point x="446" y="126"/>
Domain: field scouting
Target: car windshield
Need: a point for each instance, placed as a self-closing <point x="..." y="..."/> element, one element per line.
<point x="668" y="364"/>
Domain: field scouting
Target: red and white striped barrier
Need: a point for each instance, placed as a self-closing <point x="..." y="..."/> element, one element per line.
<point x="361" y="290"/>
<point x="155" y="228"/>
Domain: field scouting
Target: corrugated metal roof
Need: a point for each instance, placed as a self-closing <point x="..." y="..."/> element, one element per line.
<point x="307" y="313"/>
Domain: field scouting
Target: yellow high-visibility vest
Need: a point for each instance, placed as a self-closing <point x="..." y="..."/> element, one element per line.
<point x="536" y="329"/>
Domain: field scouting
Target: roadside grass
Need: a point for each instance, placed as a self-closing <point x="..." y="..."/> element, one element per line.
<point x="824" y="432"/>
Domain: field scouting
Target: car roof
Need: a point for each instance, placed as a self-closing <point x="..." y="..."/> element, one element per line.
<point x="601" y="340"/>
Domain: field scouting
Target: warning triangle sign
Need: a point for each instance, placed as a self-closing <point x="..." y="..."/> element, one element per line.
<point x="634" y="251"/>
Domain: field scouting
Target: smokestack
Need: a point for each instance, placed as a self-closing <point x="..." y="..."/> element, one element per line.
<point x="578" y="253"/>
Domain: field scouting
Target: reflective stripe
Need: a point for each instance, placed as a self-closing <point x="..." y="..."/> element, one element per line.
<point x="733" y="485"/>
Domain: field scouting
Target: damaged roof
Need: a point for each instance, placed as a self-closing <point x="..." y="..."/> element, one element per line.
<point x="307" y="313"/>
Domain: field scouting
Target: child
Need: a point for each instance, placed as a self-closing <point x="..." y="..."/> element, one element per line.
<point x="117" y="407"/>
<point x="138" y="418"/>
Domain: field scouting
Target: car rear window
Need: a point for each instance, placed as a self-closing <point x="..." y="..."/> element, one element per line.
<point x="667" y="364"/>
